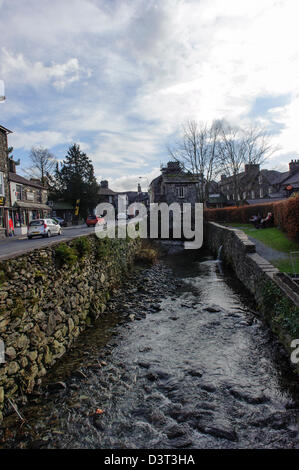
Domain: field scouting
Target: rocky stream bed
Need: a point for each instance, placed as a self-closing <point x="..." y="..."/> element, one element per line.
<point x="180" y="359"/>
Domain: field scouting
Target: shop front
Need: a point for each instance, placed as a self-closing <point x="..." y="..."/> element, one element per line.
<point x="3" y="217"/>
<point x="24" y="212"/>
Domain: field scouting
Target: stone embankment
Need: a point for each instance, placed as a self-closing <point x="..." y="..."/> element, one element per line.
<point x="277" y="296"/>
<point x="47" y="298"/>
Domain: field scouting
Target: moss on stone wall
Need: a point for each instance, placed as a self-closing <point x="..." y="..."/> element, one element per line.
<point x="259" y="277"/>
<point x="283" y="313"/>
<point x="48" y="297"/>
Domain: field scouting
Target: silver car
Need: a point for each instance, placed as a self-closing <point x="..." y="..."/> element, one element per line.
<point x="44" y="228"/>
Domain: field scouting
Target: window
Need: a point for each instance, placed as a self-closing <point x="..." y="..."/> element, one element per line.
<point x="1" y="184"/>
<point x="181" y="191"/>
<point x="18" y="192"/>
<point x="30" y="196"/>
<point x="270" y="190"/>
<point x="261" y="192"/>
<point x="244" y="195"/>
<point x="1" y="217"/>
<point x="36" y="222"/>
<point x="39" y="196"/>
<point x="252" y="195"/>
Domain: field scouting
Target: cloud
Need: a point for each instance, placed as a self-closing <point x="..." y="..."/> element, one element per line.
<point x="120" y="77"/>
<point x="48" y="139"/>
<point x="130" y="182"/>
<point x="20" y="70"/>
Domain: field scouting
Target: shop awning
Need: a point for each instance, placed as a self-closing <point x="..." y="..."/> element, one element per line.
<point x="31" y="205"/>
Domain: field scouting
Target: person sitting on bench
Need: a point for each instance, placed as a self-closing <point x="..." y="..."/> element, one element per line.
<point x="267" y="221"/>
<point x="255" y="219"/>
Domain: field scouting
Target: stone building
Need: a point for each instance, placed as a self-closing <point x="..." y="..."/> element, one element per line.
<point x="132" y="197"/>
<point x="106" y="194"/>
<point x="29" y="200"/>
<point x="253" y="186"/>
<point x="288" y="182"/>
<point x="174" y="185"/>
<point x="4" y="182"/>
<point x="21" y="200"/>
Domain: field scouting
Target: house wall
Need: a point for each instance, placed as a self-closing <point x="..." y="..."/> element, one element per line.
<point x="171" y="193"/>
<point x="251" y="190"/>
<point x="4" y="171"/>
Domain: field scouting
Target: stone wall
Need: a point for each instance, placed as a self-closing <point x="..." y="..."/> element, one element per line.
<point x="47" y="298"/>
<point x="277" y="296"/>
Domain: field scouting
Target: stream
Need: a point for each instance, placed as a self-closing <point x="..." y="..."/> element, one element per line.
<point x="180" y="359"/>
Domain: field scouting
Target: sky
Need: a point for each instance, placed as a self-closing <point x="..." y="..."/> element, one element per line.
<point x="120" y="77"/>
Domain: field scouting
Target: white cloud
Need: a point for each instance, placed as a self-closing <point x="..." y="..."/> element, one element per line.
<point x="48" y="139"/>
<point x="138" y="69"/>
<point x="129" y="182"/>
<point x="16" y="68"/>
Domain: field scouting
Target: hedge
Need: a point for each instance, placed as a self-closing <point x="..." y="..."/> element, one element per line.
<point x="286" y="214"/>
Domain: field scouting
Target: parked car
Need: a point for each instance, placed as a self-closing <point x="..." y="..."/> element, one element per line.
<point x="44" y="228"/>
<point x="61" y="221"/>
<point x="92" y="220"/>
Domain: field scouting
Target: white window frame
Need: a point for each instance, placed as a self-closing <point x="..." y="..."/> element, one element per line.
<point x="2" y="188"/>
<point x="21" y="192"/>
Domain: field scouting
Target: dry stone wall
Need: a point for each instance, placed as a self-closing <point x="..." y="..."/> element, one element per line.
<point x="277" y="296"/>
<point x="47" y="298"/>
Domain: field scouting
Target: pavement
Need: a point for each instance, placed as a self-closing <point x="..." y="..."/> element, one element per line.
<point x="15" y="246"/>
<point x="266" y="252"/>
<point x="263" y="250"/>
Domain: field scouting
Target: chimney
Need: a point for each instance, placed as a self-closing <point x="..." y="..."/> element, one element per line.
<point x="252" y="169"/>
<point x="139" y="188"/>
<point x="104" y="184"/>
<point x="293" y="166"/>
<point x="12" y="165"/>
<point x="173" y="165"/>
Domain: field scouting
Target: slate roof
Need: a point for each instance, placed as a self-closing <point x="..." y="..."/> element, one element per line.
<point x="106" y="192"/>
<point x="2" y="128"/>
<point x="264" y="200"/>
<point x="293" y="179"/>
<point x="62" y="205"/>
<point x="21" y="180"/>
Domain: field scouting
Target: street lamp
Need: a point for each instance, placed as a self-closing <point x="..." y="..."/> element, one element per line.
<point x="2" y="92"/>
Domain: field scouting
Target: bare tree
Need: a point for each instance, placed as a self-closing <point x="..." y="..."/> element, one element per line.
<point x="198" y="153"/>
<point x="43" y="164"/>
<point x="238" y="147"/>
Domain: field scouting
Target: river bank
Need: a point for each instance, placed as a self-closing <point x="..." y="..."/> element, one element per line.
<point x="180" y="360"/>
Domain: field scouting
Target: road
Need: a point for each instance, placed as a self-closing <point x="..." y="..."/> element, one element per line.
<point x="14" y="247"/>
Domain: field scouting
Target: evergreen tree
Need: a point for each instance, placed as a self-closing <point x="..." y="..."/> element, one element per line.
<point x="76" y="180"/>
